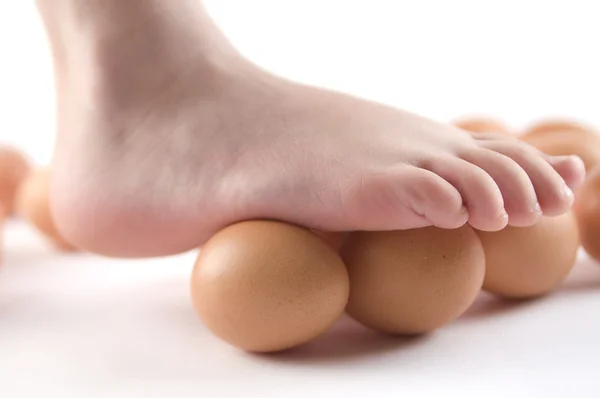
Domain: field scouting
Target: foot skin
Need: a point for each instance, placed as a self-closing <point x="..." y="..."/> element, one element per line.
<point x="166" y="135"/>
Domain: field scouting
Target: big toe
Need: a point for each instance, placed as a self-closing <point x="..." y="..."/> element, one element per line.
<point x="480" y="192"/>
<point x="406" y="197"/>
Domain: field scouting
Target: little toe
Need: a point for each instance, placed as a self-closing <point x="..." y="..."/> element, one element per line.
<point x="554" y="195"/>
<point x="480" y="193"/>
<point x="570" y="168"/>
<point x="520" y="199"/>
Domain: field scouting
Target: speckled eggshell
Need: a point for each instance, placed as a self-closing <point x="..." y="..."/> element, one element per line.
<point x="587" y="210"/>
<point x="414" y="281"/>
<point x="524" y="263"/>
<point x="566" y="139"/>
<point x="266" y="286"/>
<point x="552" y="125"/>
<point x="33" y="205"/>
<point x="14" y="168"/>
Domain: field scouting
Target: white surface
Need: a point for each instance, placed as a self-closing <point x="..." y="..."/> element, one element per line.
<point x="81" y="326"/>
<point x="78" y="325"/>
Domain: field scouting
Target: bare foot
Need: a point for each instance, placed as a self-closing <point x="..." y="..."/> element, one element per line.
<point x="166" y="134"/>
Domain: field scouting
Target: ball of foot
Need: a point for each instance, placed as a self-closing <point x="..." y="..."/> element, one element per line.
<point x="414" y="281"/>
<point x="266" y="286"/>
<point x="33" y="205"/>
<point x="14" y="168"/>
<point x="528" y="262"/>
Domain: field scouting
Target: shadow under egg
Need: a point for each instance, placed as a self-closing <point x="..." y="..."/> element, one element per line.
<point x="346" y="340"/>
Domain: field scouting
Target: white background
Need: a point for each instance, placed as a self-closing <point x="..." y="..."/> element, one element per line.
<point x="80" y="326"/>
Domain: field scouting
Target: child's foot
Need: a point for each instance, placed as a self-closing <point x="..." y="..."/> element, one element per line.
<point x="166" y="135"/>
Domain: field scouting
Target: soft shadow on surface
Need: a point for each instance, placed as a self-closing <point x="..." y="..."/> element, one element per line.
<point x="167" y="299"/>
<point x="487" y="305"/>
<point x="346" y="340"/>
<point x="12" y="302"/>
<point x="584" y="277"/>
<point x="23" y="258"/>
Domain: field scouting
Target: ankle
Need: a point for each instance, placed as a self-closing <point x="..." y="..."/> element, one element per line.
<point x="131" y="51"/>
<point x="178" y="31"/>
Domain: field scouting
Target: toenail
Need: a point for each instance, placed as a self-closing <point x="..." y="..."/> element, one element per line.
<point x="568" y="192"/>
<point x="537" y="209"/>
<point x="569" y="158"/>
<point x="578" y="160"/>
<point x="503" y="214"/>
<point x="564" y="158"/>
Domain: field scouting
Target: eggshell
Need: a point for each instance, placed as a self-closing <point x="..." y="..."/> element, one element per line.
<point x="483" y="125"/>
<point x="266" y="286"/>
<point x="34" y="206"/>
<point x="553" y="125"/>
<point x="414" y="281"/>
<point x="14" y="168"/>
<point x="583" y="143"/>
<point x="528" y="262"/>
<point x="3" y="215"/>
<point x="587" y="210"/>
<point x="333" y="239"/>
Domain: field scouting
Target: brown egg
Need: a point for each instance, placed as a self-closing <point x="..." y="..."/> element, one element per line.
<point x="553" y="125"/>
<point x="587" y="210"/>
<point x="266" y="286"/>
<point x="583" y="143"/>
<point x="415" y="281"/>
<point x="3" y="215"/>
<point x="483" y="125"/>
<point x="14" y="168"/>
<point x="529" y="262"/>
<point x="34" y="205"/>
